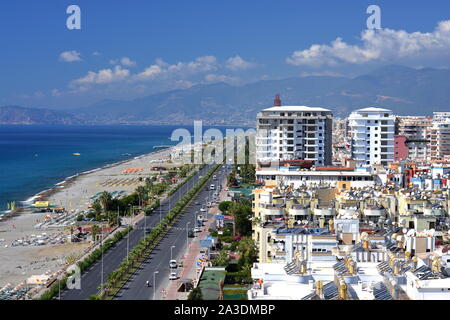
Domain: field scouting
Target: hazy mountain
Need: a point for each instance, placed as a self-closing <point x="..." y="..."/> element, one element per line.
<point x="21" y="115"/>
<point x="406" y="91"/>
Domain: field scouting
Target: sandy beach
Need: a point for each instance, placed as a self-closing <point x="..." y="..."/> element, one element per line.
<point x="20" y="262"/>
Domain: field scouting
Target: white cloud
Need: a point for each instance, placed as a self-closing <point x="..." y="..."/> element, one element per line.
<point x="237" y="63"/>
<point x="102" y="77"/>
<point x="96" y="53"/>
<point x="125" y="61"/>
<point x="321" y="74"/>
<point x="56" y="93"/>
<point x="378" y="45"/>
<point x="211" y="78"/>
<point x="161" y="69"/>
<point x="70" y="56"/>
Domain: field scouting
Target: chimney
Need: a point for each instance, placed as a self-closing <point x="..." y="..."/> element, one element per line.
<point x="277" y="100"/>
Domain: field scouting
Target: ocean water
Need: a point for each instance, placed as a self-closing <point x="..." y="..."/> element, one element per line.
<point x="35" y="158"/>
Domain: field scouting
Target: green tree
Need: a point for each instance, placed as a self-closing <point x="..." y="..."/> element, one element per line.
<point x="95" y="231"/>
<point x="224" y="205"/>
<point x="142" y="193"/>
<point x="195" y="294"/>
<point x="105" y="200"/>
<point x="241" y="214"/>
<point x="222" y="260"/>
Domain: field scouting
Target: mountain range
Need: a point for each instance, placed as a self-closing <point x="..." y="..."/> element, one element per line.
<point x="406" y="91"/>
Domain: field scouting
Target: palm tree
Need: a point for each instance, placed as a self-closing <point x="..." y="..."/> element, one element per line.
<point x="142" y="194"/>
<point x="105" y="199"/>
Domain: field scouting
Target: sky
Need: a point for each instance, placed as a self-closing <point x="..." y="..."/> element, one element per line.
<point x="129" y="49"/>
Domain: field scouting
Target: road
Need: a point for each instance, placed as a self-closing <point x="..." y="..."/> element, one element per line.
<point x="91" y="278"/>
<point x="158" y="260"/>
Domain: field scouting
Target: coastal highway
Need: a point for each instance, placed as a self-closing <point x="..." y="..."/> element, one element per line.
<point x="158" y="260"/>
<point x="91" y="278"/>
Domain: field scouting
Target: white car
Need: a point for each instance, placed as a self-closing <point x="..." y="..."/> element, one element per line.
<point x="173" y="264"/>
<point x="173" y="276"/>
<point x="203" y="210"/>
<point x="196" y="229"/>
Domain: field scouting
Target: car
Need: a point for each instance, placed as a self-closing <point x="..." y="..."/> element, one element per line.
<point x="196" y="202"/>
<point x="148" y="230"/>
<point x="212" y="187"/>
<point x="191" y="234"/>
<point x="202" y="210"/>
<point x="173" y="264"/>
<point x="173" y="276"/>
<point x="196" y="229"/>
<point x="214" y="177"/>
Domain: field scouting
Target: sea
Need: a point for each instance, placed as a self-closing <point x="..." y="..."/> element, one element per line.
<point x="34" y="158"/>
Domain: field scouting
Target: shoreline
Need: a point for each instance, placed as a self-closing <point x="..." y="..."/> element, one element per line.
<point x="67" y="182"/>
<point x="74" y="194"/>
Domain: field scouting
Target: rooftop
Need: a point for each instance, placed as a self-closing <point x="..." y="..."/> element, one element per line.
<point x="296" y="108"/>
<point x="373" y="109"/>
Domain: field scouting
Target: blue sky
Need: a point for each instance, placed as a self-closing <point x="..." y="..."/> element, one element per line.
<point x="128" y="49"/>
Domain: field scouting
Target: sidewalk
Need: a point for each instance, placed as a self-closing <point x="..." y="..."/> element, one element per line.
<point x="190" y="268"/>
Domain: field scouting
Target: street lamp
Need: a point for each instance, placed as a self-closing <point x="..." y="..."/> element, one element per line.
<point x="160" y="209"/>
<point x="187" y="237"/>
<point x="171" y="252"/>
<point x="101" y="246"/>
<point x="154" y="284"/>
<point x="195" y="219"/>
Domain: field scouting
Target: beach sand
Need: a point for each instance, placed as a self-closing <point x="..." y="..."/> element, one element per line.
<point x="19" y="262"/>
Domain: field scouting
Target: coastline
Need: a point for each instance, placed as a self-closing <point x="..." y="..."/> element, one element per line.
<point x="74" y="192"/>
<point x="59" y="186"/>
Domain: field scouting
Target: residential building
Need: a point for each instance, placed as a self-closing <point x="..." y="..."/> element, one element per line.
<point x="372" y="132"/>
<point x="439" y="135"/>
<point x="294" y="133"/>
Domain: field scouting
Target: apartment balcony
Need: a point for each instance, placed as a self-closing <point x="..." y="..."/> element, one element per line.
<point x="347" y="212"/>
<point x="324" y="212"/>
<point x="272" y="211"/>
<point x="374" y="212"/>
<point x="435" y="212"/>
<point x="298" y="212"/>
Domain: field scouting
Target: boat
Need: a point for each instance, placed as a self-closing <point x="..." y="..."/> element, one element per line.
<point x="76" y="154"/>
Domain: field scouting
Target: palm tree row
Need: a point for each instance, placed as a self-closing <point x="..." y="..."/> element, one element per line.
<point x="147" y="244"/>
<point x="85" y="264"/>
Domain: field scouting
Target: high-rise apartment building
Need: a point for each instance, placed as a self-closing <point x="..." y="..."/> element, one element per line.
<point x="372" y="132"/>
<point x="415" y="129"/>
<point x="439" y="135"/>
<point x="294" y="133"/>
